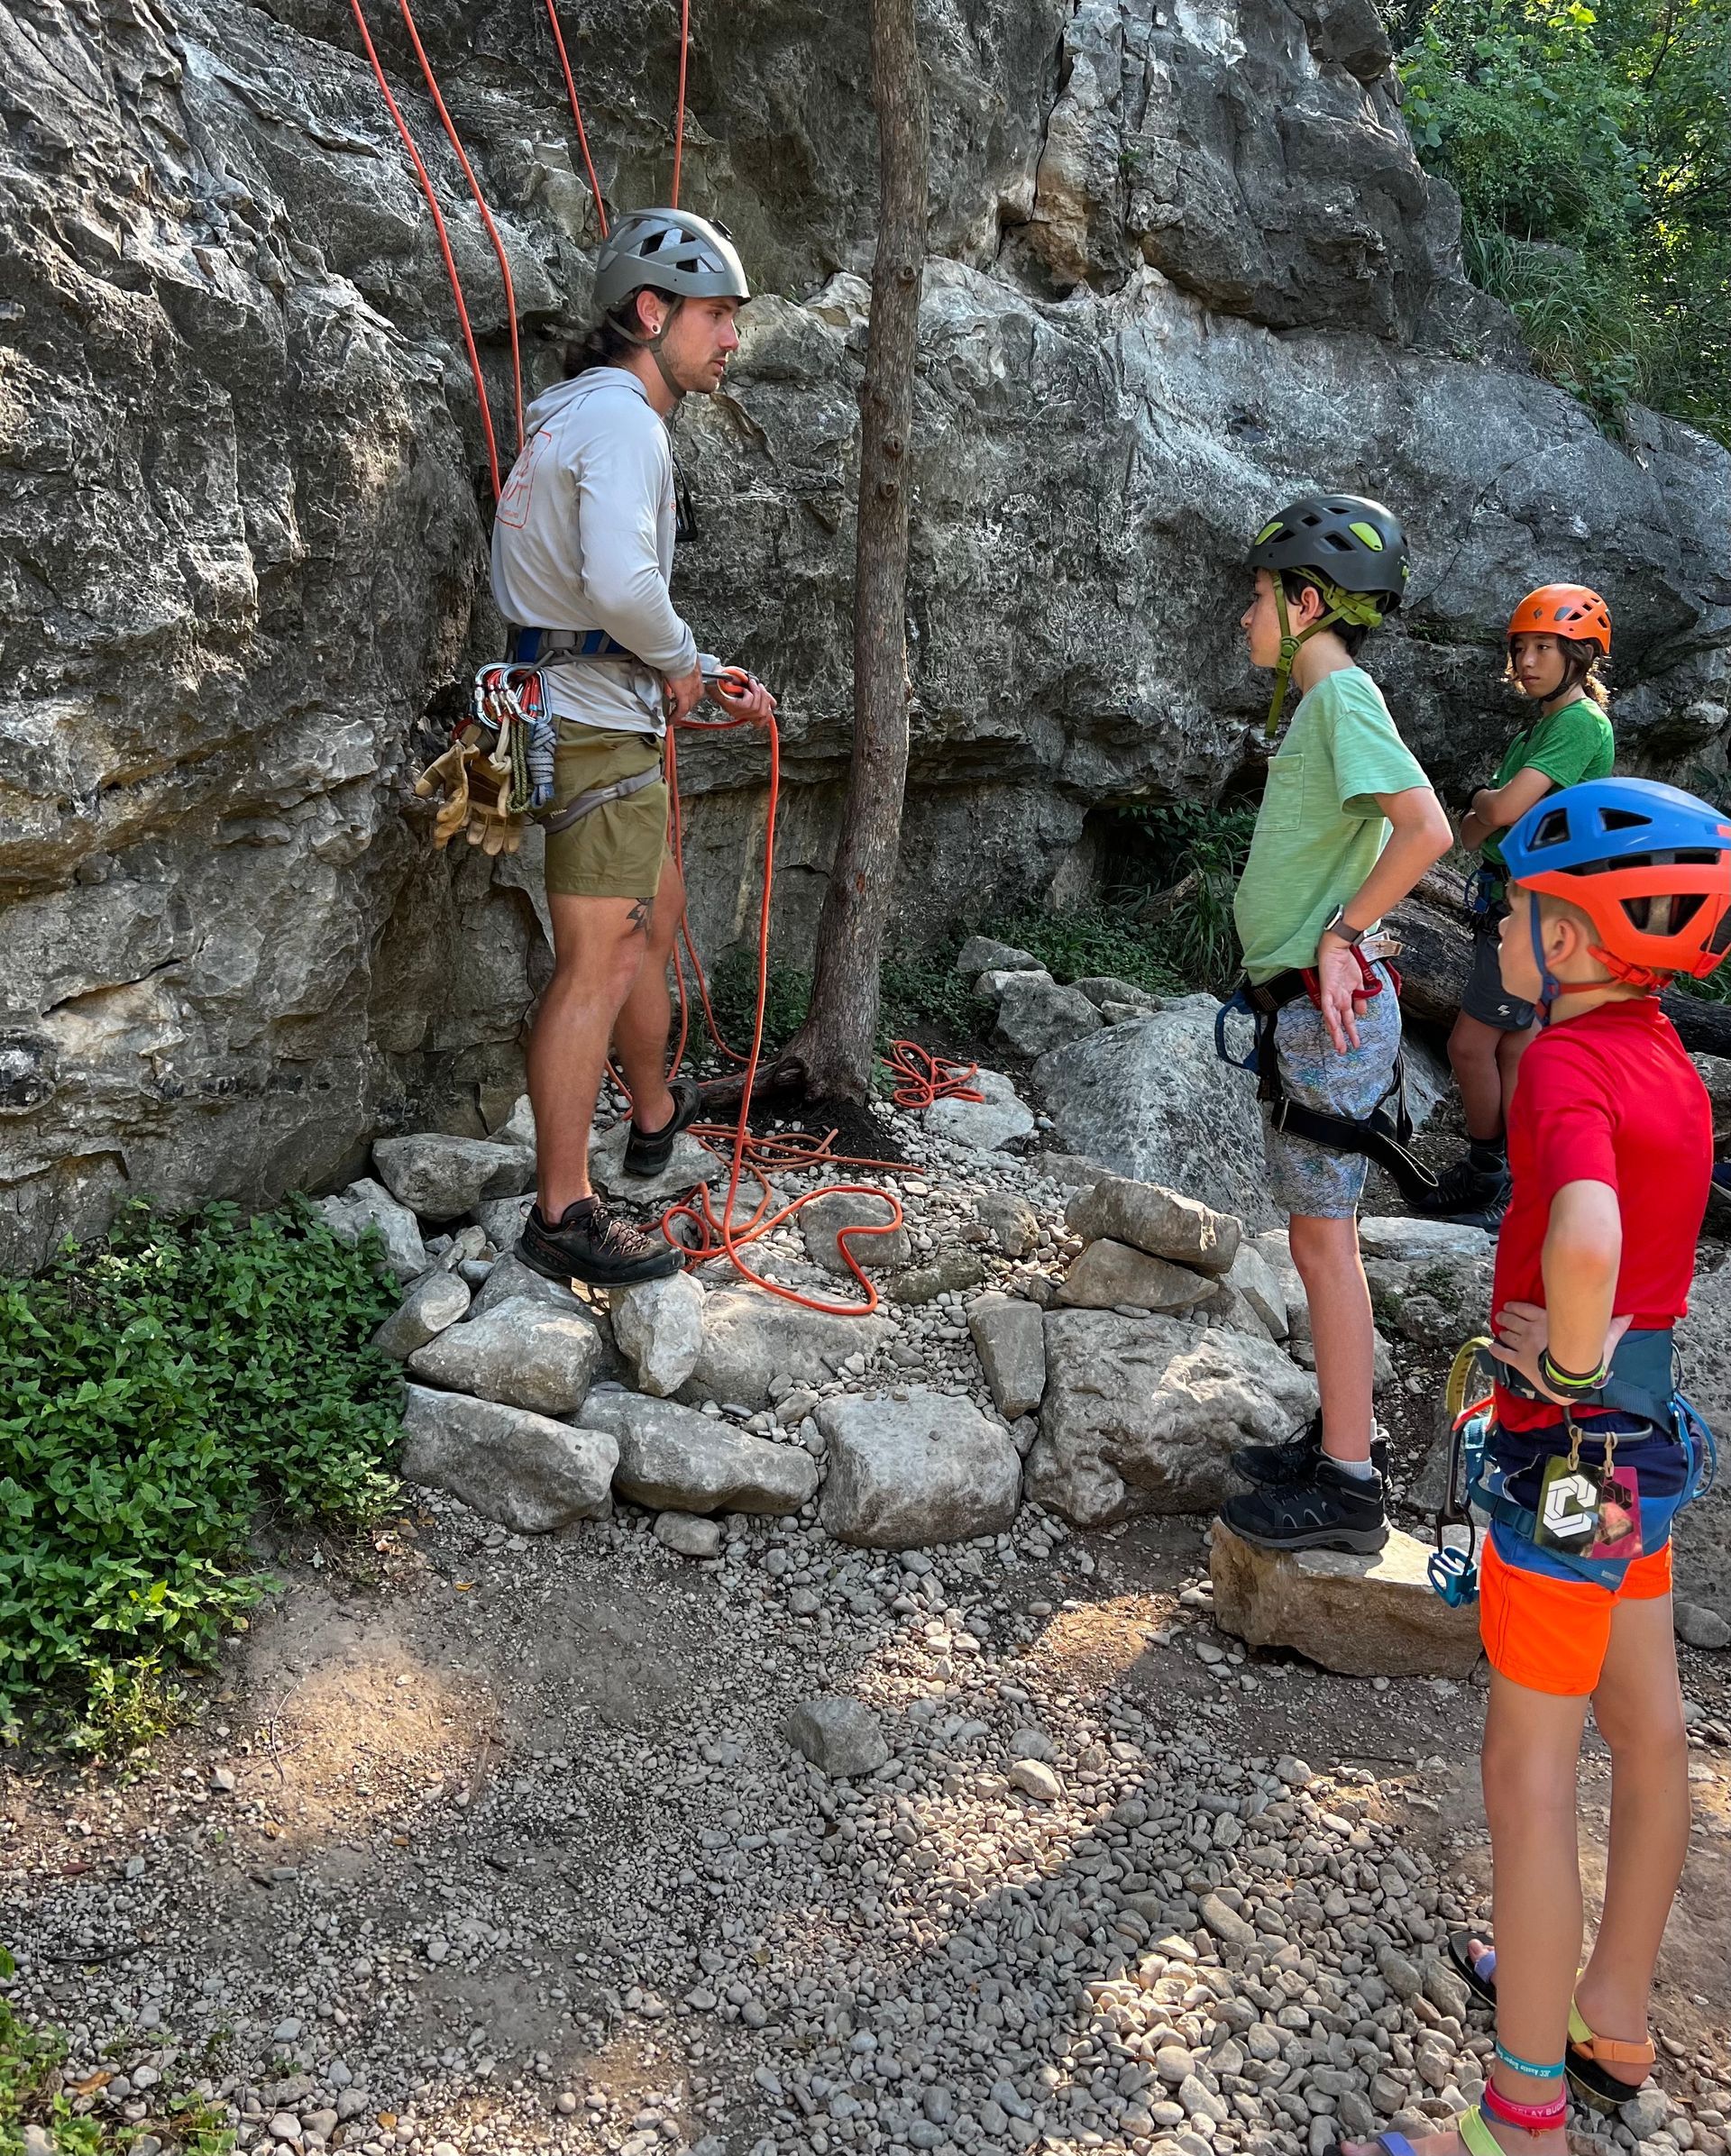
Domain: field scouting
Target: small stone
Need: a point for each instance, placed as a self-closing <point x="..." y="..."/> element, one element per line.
<point x="284" y="2127"/>
<point x="1647" y="2114"/>
<point x="1010" y="1339"/>
<point x="1035" y="1778"/>
<point x="1162" y="1223"/>
<point x="440" y="1177"/>
<point x="223" y="1778"/>
<point x="688" y="1535"/>
<point x="368" y="1204"/>
<point x="841" y="1736"/>
<point x="1697" y="1626"/>
<point x="1226" y="1924"/>
<point x="1110" y="1274"/>
<point x="824" y="1219"/>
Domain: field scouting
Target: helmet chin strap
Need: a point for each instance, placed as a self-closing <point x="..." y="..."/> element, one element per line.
<point x="1550" y="987"/>
<point x="653" y="345"/>
<point x="1356" y="608"/>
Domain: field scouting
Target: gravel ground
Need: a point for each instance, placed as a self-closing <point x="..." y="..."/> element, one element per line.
<point x="480" y="1844"/>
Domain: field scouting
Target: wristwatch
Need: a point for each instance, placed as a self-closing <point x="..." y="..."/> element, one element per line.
<point x="1339" y="925"/>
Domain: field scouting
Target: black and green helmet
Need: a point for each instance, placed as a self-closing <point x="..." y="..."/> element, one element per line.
<point x="1352" y="549"/>
<point x="1345" y="540"/>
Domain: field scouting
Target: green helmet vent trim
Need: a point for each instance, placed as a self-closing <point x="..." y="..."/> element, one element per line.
<point x="1368" y="533"/>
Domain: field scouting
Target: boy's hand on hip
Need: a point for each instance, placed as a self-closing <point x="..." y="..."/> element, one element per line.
<point x="1340" y="985"/>
<point x="1522" y="1331"/>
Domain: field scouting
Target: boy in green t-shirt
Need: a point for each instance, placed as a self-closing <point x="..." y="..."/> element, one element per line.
<point x="1557" y="636"/>
<point x="1348" y="825"/>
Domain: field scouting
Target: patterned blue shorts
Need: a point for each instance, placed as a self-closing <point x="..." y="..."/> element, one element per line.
<point x="1304" y="1177"/>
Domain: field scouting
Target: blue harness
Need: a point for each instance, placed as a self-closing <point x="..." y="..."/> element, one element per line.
<point x="1485" y="1461"/>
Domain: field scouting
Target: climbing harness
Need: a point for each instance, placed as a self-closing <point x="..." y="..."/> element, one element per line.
<point x="1385" y="1135"/>
<point x="1640" y="1382"/>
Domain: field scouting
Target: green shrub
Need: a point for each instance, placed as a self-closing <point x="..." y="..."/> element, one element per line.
<point x="1094" y="940"/>
<point x="1591" y="150"/>
<point x="733" y="998"/>
<point x="1200" y="850"/>
<point x="157" y="1388"/>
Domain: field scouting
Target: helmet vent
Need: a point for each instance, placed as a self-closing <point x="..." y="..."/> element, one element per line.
<point x="1622" y="820"/>
<point x="1553" y="829"/>
<point x="1719" y="941"/>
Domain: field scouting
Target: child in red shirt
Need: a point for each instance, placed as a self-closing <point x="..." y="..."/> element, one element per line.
<point x="1616" y="885"/>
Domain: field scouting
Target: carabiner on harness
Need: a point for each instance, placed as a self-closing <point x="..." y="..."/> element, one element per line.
<point x="1453" y="1571"/>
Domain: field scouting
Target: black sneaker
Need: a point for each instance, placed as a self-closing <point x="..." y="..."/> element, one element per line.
<point x="590" y="1245"/>
<point x="1471" y="1197"/>
<point x="647" y="1152"/>
<point x="1329" y="1511"/>
<point x="1278" y="1467"/>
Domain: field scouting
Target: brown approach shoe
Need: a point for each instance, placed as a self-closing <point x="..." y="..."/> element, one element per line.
<point x="588" y="1244"/>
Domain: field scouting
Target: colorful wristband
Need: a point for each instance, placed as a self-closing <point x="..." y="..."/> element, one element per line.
<point x="1571" y="1380"/>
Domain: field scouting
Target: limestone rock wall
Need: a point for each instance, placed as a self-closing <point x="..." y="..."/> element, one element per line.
<point x="1184" y="265"/>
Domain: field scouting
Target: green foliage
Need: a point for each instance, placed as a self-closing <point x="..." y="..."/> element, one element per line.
<point x="922" y="987"/>
<point x="155" y="1389"/>
<point x="733" y="998"/>
<point x="30" y="2094"/>
<point x="1592" y="149"/>
<point x="1200" y="850"/>
<point x="1090" y="940"/>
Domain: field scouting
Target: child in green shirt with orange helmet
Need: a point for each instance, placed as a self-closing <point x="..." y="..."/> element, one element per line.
<point x="1556" y="639"/>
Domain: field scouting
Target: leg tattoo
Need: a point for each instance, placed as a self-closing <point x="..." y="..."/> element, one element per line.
<point x="641" y="917"/>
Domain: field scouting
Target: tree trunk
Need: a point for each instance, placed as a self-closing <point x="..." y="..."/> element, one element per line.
<point x="836" y="1044"/>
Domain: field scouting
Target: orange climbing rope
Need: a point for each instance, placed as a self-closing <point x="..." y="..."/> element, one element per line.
<point x="444" y="239"/>
<point x="923" y="1078"/>
<point x="577" y="115"/>
<point x="679" y="108"/>
<point x="451" y="136"/>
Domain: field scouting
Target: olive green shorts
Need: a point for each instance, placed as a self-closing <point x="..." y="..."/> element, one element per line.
<point x="616" y="851"/>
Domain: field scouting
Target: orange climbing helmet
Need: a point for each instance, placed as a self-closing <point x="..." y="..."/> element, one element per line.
<point x="1570" y="611"/>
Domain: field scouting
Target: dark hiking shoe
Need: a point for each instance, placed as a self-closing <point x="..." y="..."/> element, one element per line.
<point x="1278" y="1467"/>
<point x="1329" y="1511"/>
<point x="1471" y="1197"/>
<point x="588" y="1244"/>
<point x="647" y="1152"/>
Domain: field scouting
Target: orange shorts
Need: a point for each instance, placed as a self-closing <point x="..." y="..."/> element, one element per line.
<point x="1552" y="1635"/>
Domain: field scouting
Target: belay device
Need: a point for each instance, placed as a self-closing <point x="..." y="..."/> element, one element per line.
<point x="1385" y="1135"/>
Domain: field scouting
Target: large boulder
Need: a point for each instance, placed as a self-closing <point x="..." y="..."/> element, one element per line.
<point x="525" y="1354"/>
<point x="1143" y="1414"/>
<point x="368" y="1204"/>
<point x="751" y="1337"/>
<point x="440" y="1177"/>
<point x="1152" y="1101"/>
<point x="671" y="1457"/>
<point x="1165" y="1223"/>
<point x="907" y="1474"/>
<point x="984" y="955"/>
<point x="527" y="1471"/>
<point x="1365" y="1616"/>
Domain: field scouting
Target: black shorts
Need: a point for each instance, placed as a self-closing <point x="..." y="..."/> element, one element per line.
<point x="1484" y="998"/>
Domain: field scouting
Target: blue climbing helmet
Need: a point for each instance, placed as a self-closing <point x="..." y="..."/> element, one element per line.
<point x="1648" y="864"/>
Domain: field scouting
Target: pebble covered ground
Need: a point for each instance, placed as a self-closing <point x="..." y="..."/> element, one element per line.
<point x="480" y="1844"/>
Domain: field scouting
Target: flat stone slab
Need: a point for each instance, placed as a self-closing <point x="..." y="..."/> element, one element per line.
<point x="750" y="1337"/>
<point x="826" y="1213"/>
<point x="1410" y="1241"/>
<point x="906" y="1474"/>
<point x="1108" y="1274"/>
<point x="674" y="1459"/>
<point x="527" y="1471"/>
<point x="440" y="1177"/>
<point x="691" y="1163"/>
<point x="437" y="1301"/>
<point x="1010" y="1339"/>
<point x="1364" y="1616"/>
<point x="1152" y="1218"/>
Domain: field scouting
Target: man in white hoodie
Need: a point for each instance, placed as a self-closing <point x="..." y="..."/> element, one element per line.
<point x="583" y="552"/>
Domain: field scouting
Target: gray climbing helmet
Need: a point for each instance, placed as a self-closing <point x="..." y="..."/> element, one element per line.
<point x="671" y="252"/>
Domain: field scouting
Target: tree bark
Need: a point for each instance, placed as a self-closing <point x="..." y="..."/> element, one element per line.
<point x="836" y="1044"/>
